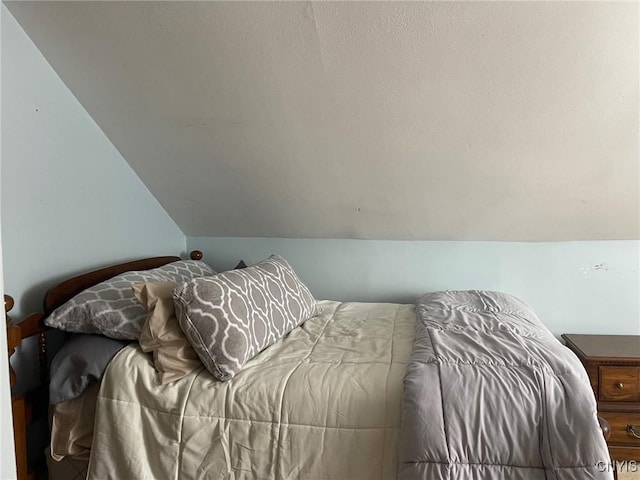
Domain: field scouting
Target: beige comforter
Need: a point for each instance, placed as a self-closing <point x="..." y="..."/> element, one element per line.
<point x="324" y="403"/>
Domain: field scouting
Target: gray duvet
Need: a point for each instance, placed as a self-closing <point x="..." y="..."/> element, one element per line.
<point x="490" y="394"/>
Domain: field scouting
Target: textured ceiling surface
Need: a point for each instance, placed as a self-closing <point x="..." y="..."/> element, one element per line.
<point x="403" y="120"/>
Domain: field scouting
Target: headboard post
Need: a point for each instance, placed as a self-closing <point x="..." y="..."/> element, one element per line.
<point x="18" y="404"/>
<point x="14" y="339"/>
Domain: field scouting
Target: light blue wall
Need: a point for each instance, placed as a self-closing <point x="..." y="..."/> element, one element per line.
<point x="579" y="287"/>
<point x="69" y="200"/>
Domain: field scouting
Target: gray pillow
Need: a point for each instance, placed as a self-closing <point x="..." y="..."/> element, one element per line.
<point x="232" y="316"/>
<point x="110" y="308"/>
<point x="81" y="360"/>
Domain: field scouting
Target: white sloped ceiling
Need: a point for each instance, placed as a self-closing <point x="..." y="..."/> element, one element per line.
<point x="509" y="121"/>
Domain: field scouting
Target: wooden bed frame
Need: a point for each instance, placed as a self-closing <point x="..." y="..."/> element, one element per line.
<point x="25" y="405"/>
<point x="34" y="404"/>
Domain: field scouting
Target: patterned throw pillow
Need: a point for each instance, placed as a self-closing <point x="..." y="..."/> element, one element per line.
<point x="231" y="317"/>
<point x="110" y="308"/>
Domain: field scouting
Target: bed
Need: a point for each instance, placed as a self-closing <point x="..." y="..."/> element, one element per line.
<point x="356" y="391"/>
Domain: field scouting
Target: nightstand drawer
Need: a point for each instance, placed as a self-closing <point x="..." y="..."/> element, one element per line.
<point x="625" y="428"/>
<point x="619" y="384"/>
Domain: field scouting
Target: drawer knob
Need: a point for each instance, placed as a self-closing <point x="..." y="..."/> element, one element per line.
<point x="634" y="430"/>
<point x="620" y="385"/>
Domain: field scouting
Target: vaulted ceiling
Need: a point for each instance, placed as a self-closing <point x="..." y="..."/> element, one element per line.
<point x="401" y="120"/>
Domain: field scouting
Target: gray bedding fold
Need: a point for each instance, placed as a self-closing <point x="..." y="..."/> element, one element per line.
<point x="490" y="394"/>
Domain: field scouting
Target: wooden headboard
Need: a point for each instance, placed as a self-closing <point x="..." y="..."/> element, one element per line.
<point x="33" y="325"/>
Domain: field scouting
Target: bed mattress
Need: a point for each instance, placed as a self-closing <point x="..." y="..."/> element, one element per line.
<point x="325" y="402"/>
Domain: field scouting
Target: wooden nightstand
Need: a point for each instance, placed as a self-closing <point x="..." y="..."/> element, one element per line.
<point x="613" y="365"/>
